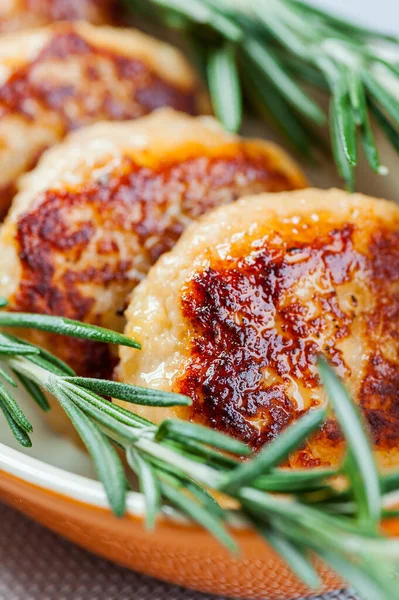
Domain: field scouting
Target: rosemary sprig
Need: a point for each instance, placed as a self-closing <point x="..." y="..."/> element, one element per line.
<point x="64" y="326"/>
<point x="266" y="50"/>
<point x="179" y="462"/>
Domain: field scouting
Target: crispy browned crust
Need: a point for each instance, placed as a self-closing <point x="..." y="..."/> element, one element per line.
<point x="78" y="75"/>
<point x="88" y="97"/>
<point x="246" y="322"/>
<point x="129" y="219"/>
<point x="21" y="14"/>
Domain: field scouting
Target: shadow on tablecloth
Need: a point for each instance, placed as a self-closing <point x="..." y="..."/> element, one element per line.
<point x="36" y="564"/>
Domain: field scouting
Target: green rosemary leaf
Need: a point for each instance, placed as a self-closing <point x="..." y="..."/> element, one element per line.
<point x="269" y="103"/>
<point x="180" y="480"/>
<point x="369" y="146"/>
<point x="67" y="327"/>
<point x="184" y="429"/>
<point x="360" y="463"/>
<point x="387" y="101"/>
<point x="61" y="366"/>
<point x="389" y="481"/>
<point x="306" y="72"/>
<point x="5" y="375"/>
<point x="18" y="432"/>
<point x="12" y="407"/>
<point x="149" y="485"/>
<point x="207" y="454"/>
<point x="181" y="461"/>
<point x="344" y="119"/>
<point x="3" y="302"/>
<point x="344" y="168"/>
<point x="34" y="391"/>
<point x="57" y="362"/>
<point x="106" y="461"/>
<point x="224" y="21"/>
<point x="130" y="393"/>
<point x="389" y="130"/>
<point x="359" y="104"/>
<point x="197" y="453"/>
<point x="387" y="63"/>
<point x="15" y="348"/>
<point x="163" y="467"/>
<point x="302" y="476"/>
<point x="175" y="20"/>
<point x="384" y="573"/>
<point x="201" y="12"/>
<point x="101" y="414"/>
<point x="337" y="508"/>
<point x="281" y="30"/>
<point x="356" y="95"/>
<point x="289" y="481"/>
<point x="38" y="360"/>
<point x="224" y="85"/>
<point x="269" y="65"/>
<point x="309" y="525"/>
<point x="112" y="410"/>
<point x="138" y="419"/>
<point x="388" y="513"/>
<point x="199" y="514"/>
<point x="205" y="498"/>
<point x="292" y="553"/>
<point x="275" y="452"/>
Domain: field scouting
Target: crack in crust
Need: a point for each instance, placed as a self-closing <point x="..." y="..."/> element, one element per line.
<point x="79" y="246"/>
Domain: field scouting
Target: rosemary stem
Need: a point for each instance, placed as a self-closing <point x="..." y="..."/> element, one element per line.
<point x="207" y="475"/>
<point x="34" y="372"/>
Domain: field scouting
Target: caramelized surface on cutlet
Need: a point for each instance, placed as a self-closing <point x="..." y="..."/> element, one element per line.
<point x="102" y="237"/>
<point x="257" y="332"/>
<point x="257" y="290"/>
<point x="56" y="79"/>
<point x="22" y="14"/>
<point x="82" y="82"/>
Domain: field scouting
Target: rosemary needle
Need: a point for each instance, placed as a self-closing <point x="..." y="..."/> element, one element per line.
<point x="64" y="326"/>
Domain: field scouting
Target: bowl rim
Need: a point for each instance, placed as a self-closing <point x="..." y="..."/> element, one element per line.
<point x="88" y="491"/>
<point x="60" y="481"/>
